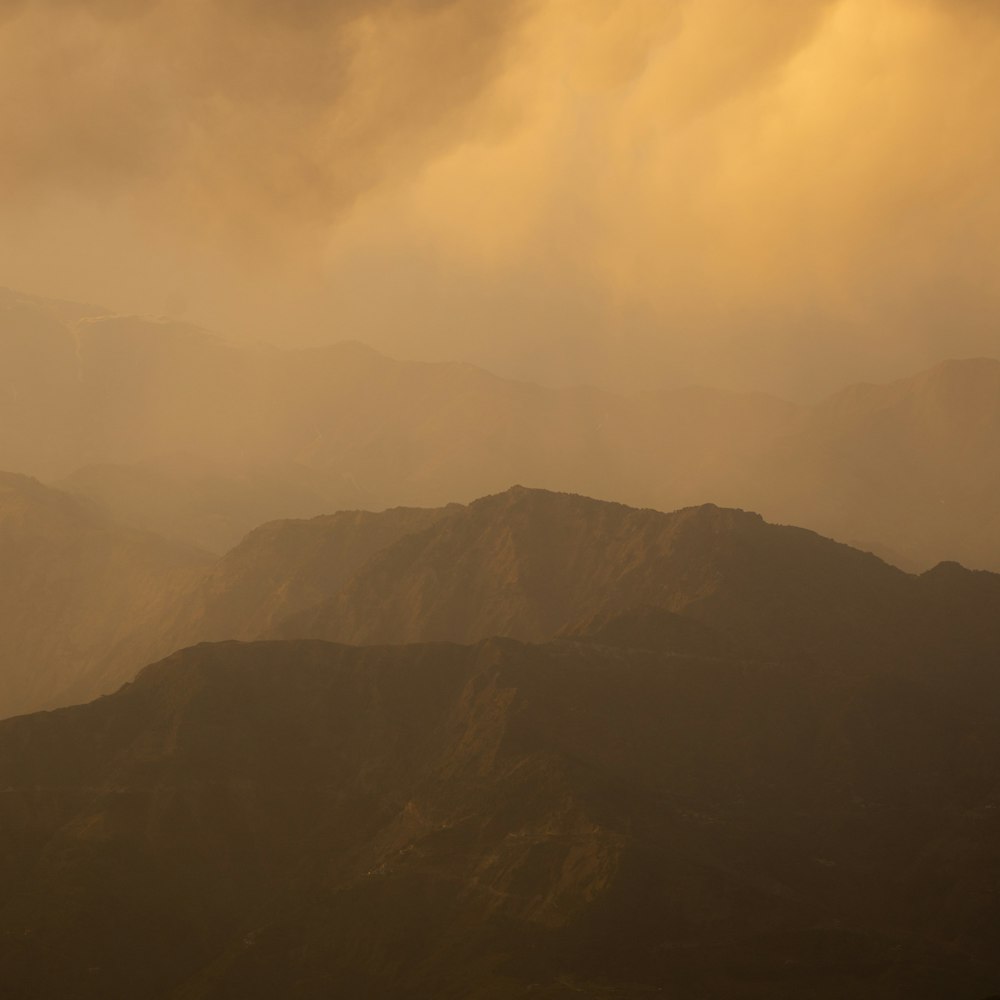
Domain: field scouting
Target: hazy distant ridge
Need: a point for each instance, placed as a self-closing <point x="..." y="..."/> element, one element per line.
<point x="178" y="431"/>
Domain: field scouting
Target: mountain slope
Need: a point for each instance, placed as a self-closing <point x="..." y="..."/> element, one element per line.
<point x="285" y="567"/>
<point x="498" y="821"/>
<point x="531" y="564"/>
<point x="73" y="585"/>
<point x="279" y="570"/>
<point x="528" y="564"/>
<point x="912" y="465"/>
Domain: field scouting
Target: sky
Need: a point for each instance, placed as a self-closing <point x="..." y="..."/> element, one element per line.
<point x="755" y="194"/>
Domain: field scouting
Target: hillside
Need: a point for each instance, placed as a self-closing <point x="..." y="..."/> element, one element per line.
<point x="531" y="564"/>
<point x="526" y="564"/>
<point x="500" y="821"/>
<point x="73" y="585"/>
<point x="285" y="567"/>
<point x="88" y="601"/>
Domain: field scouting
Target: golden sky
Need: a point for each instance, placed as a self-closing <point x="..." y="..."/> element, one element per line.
<point x="783" y="194"/>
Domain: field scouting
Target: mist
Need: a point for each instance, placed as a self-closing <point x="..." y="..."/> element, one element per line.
<point x="499" y="499"/>
<point x="753" y="196"/>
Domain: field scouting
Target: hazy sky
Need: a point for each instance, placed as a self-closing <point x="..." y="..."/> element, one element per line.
<point x="784" y="194"/>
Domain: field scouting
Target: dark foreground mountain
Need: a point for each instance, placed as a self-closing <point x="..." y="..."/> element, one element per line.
<point x="95" y="402"/>
<point x="581" y="818"/>
<point x="74" y="585"/>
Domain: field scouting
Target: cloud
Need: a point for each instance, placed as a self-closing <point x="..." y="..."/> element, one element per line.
<point x="236" y="114"/>
<point x="797" y="192"/>
<point x="781" y="194"/>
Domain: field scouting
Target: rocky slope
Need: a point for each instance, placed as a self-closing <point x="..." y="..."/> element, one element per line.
<point x="307" y="820"/>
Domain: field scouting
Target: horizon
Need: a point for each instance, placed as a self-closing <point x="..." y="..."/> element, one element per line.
<point x="102" y="312"/>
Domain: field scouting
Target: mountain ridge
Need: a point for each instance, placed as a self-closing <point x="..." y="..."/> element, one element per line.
<point x="129" y="392"/>
<point x="312" y="818"/>
<point x="533" y="565"/>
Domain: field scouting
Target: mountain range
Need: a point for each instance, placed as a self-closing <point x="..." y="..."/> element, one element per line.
<point x="503" y="820"/>
<point x="526" y="564"/>
<point x="175" y="430"/>
<point x="534" y="746"/>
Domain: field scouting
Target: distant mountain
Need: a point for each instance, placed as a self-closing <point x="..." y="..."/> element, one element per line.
<point x="913" y="466"/>
<point x="134" y="390"/>
<point x="307" y="820"/>
<point x="96" y="402"/>
<point x="73" y="586"/>
<point x="208" y="504"/>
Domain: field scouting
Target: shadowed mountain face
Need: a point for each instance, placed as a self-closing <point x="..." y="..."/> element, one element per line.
<point x="73" y="586"/>
<point x="307" y="820"/>
<point x="96" y="401"/>
<point x="534" y="565"/>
